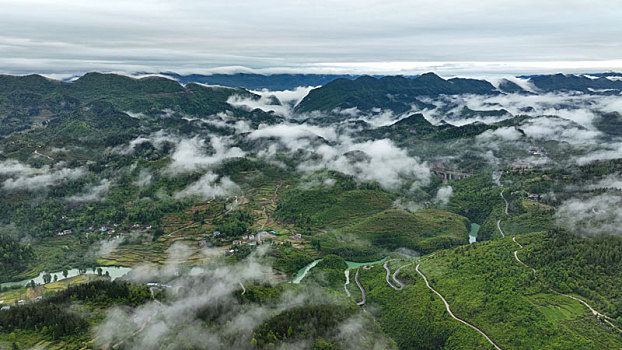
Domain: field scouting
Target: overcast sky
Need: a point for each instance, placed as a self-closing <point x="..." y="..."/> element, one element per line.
<point x="362" y="36"/>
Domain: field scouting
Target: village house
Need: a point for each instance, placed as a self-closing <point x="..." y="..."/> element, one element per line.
<point x="534" y="197"/>
<point x="64" y="233"/>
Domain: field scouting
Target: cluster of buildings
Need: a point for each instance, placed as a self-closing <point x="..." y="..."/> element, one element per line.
<point x="111" y="229"/>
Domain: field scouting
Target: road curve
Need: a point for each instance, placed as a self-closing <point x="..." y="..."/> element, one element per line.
<point x="451" y="313"/>
<point x="345" y="285"/>
<point x="386" y="267"/>
<point x="358" y="283"/>
<point x="395" y="275"/>
<point x="507" y="205"/>
<point x="243" y="289"/>
<point x="595" y="312"/>
<point x="499" y="227"/>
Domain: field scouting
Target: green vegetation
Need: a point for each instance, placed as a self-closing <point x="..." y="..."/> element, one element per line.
<point x="289" y="259"/>
<point x="52" y="318"/>
<point x="302" y="323"/>
<point x="588" y="267"/>
<point x="94" y="172"/>
<point x="424" y="324"/>
<point x="485" y="285"/>
<point x="424" y="231"/>
<point x="337" y="206"/>
<point x="328" y="272"/>
<point x="475" y="197"/>
<point x="14" y="257"/>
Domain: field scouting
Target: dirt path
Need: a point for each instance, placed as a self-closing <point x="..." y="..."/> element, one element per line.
<point x="358" y="283"/>
<point x="183" y="228"/>
<point x="43" y="155"/>
<point x="273" y="202"/>
<point x="233" y="205"/>
<point x="451" y="313"/>
<point x="595" y="312"/>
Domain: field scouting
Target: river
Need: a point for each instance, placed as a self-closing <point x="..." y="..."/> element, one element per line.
<point x="114" y="272"/>
<point x="351" y="265"/>
<point x="473" y="233"/>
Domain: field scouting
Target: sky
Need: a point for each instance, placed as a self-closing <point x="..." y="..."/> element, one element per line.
<point x="321" y="36"/>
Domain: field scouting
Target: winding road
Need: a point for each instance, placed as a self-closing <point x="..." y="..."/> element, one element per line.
<point x="358" y="283"/>
<point x="243" y="289"/>
<point x="451" y="313"/>
<point x="401" y="285"/>
<point x="507" y="205"/>
<point x="595" y="312"/>
<point x="499" y="227"/>
<point x="345" y="285"/>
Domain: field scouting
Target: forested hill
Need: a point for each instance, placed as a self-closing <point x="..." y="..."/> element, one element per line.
<point x="399" y="93"/>
<point x="396" y="92"/>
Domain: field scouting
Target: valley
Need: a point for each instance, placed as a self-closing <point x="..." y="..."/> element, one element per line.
<point x="373" y="212"/>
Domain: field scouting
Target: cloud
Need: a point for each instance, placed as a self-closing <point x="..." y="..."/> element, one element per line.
<point x="590" y="216"/>
<point x="191" y="154"/>
<point x="502" y="134"/>
<point x="104" y="247"/>
<point x="92" y="192"/>
<point x="226" y="120"/>
<point x="601" y="152"/>
<point x="209" y="186"/>
<point x="280" y="102"/>
<point x="580" y="108"/>
<point x="319" y="148"/>
<point x="290" y="133"/>
<point x="443" y="194"/>
<point x="407" y="205"/>
<point x="202" y="308"/>
<point x="379" y="160"/>
<point x="144" y="178"/>
<point x="30" y="179"/>
<point x="205" y="291"/>
<point x="558" y="129"/>
<point x="14" y="167"/>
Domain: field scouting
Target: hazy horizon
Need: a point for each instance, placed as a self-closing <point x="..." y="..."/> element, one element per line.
<point x="326" y="37"/>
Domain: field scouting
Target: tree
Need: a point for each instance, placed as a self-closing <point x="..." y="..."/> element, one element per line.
<point x="99" y="271"/>
<point x="32" y="284"/>
<point x="55" y="277"/>
<point x="65" y="273"/>
<point x="47" y="278"/>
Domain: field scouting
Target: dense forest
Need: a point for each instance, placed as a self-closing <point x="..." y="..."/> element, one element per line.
<point x="14" y="257"/>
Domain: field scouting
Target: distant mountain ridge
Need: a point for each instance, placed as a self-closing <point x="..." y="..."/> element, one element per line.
<point x="275" y="82"/>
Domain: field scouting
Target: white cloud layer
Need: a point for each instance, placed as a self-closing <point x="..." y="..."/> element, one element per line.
<point x="22" y="177"/>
